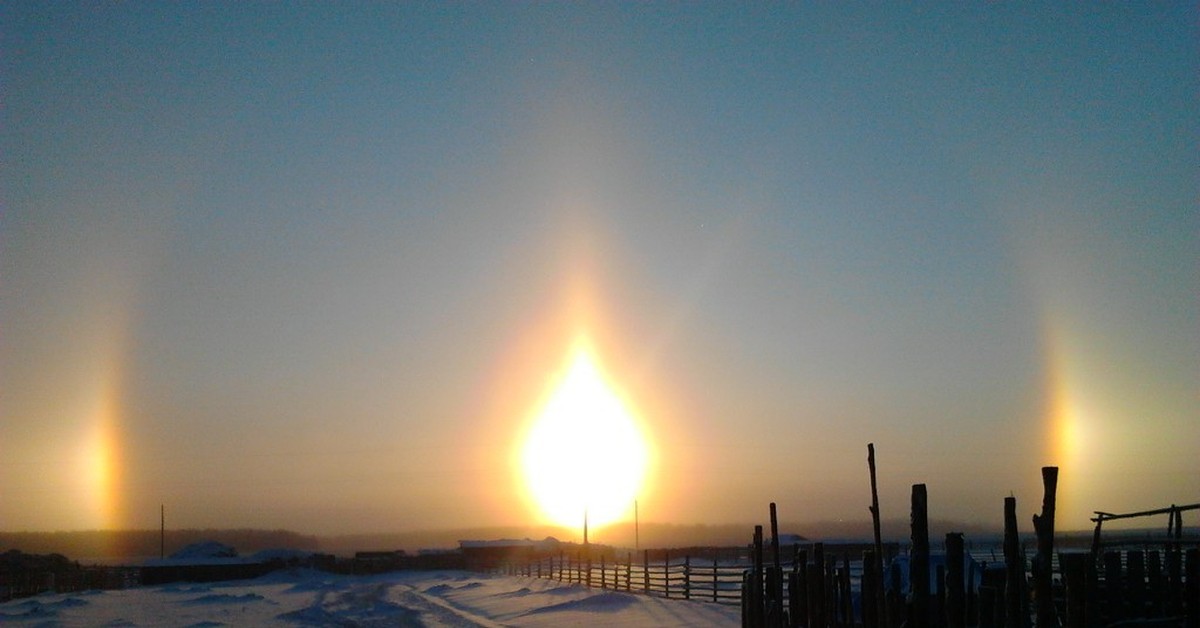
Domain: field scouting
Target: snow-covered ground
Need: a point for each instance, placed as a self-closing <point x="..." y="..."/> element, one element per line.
<point x="312" y="598"/>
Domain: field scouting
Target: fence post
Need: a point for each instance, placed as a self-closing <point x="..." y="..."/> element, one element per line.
<point x="1193" y="588"/>
<point x="955" y="593"/>
<point x="628" y="571"/>
<point x="1135" y="561"/>
<point x="875" y="593"/>
<point x="775" y="610"/>
<point x="798" y="589"/>
<point x="1174" y="575"/>
<point x="1114" y="587"/>
<point x="756" y="583"/>
<point x="1158" y="585"/>
<point x="870" y="613"/>
<point x="844" y="587"/>
<point x="687" y="577"/>
<point x="1091" y="602"/>
<point x="646" y="571"/>
<point x="1075" y="574"/>
<point x="1043" y="526"/>
<point x="919" y="561"/>
<point x="937" y="612"/>
<point x="987" y="607"/>
<point x="816" y="587"/>
<point x="1015" y="615"/>
<point x="714" y="577"/>
<point x="667" y="573"/>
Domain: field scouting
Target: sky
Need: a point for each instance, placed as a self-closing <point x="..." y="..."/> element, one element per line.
<point x="318" y="266"/>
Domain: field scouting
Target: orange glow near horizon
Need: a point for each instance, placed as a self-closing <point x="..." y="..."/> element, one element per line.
<point x="1067" y="433"/>
<point x="99" y="460"/>
<point x="584" y="450"/>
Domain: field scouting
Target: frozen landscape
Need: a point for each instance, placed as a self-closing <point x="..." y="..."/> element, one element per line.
<point x="312" y="598"/>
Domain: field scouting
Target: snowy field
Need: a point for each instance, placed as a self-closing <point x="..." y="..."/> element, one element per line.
<point x="312" y="598"/>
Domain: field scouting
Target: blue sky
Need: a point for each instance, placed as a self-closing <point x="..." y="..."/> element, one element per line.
<point x="310" y="266"/>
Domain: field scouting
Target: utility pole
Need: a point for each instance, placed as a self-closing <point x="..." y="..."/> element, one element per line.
<point x="637" y="541"/>
<point x="162" y="531"/>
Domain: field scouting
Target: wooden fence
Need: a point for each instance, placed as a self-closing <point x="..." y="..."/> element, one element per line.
<point x="1142" y="587"/>
<point x="657" y="573"/>
<point x="1155" y="584"/>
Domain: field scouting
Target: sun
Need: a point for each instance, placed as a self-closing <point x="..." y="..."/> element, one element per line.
<point x="584" y="451"/>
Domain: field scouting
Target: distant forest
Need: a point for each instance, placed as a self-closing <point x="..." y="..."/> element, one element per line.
<point x="134" y="546"/>
<point x="108" y="546"/>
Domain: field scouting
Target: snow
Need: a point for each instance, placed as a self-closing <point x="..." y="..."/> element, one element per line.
<point x="448" y="599"/>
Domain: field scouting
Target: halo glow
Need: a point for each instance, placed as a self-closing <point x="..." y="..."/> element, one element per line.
<point x="584" y="451"/>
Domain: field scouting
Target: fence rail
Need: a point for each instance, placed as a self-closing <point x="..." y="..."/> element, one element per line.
<point x="682" y="577"/>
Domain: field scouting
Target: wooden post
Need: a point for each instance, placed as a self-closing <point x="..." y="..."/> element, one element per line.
<point x="844" y="587"/>
<point x="1074" y="569"/>
<point x="919" y="561"/>
<point x="1135" y="570"/>
<point x="1015" y="614"/>
<point x="1114" y="587"/>
<point x="687" y="577"/>
<point x="798" y="589"/>
<point x="937" y="614"/>
<point x="1043" y="526"/>
<point x="1096" y="537"/>
<point x="816" y="588"/>
<point x="987" y="607"/>
<point x="870" y="616"/>
<point x="875" y="592"/>
<point x="897" y="606"/>
<point x="972" y="596"/>
<point x="603" y="576"/>
<point x="1192" y="592"/>
<point x="628" y="571"/>
<point x="775" y="601"/>
<point x="1158" y="585"/>
<point x="714" y="578"/>
<point x="666" y="569"/>
<point x="756" y="578"/>
<point x="1091" y="602"/>
<point x="1174" y="577"/>
<point x="956" y="607"/>
<point x="646" y="571"/>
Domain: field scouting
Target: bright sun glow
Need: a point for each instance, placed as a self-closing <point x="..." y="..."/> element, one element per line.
<point x="584" y="451"/>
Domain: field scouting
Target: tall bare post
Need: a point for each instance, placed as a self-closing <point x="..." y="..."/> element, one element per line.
<point x="919" y="561"/>
<point x="756" y="580"/>
<point x="1043" y="526"/>
<point x="877" y="563"/>
<point x="637" y="539"/>
<point x="1015" y="615"/>
<point x="162" y="531"/>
